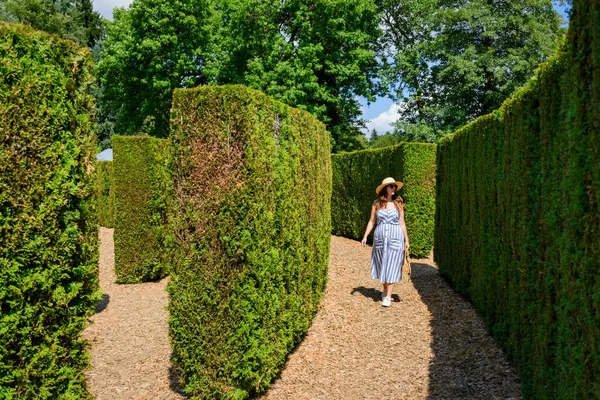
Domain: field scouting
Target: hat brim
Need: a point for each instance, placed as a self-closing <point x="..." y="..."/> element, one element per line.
<point x="398" y="186"/>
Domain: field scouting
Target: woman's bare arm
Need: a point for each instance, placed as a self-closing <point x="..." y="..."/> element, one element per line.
<point x="369" y="225"/>
<point x="403" y="225"/>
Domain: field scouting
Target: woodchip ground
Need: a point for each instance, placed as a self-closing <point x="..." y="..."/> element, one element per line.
<point x="430" y="344"/>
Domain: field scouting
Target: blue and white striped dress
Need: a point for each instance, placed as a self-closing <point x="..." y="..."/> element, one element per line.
<point x="388" y="247"/>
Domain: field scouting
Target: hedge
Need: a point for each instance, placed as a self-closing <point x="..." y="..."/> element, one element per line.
<point x="141" y="189"/>
<point x="48" y="229"/>
<point x="518" y="219"/>
<point x="105" y="194"/>
<point x="252" y="228"/>
<point x="356" y="175"/>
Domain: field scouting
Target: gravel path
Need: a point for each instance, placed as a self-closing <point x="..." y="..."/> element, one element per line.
<point x="430" y="344"/>
<point x="129" y="336"/>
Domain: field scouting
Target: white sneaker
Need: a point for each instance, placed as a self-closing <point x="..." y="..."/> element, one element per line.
<point x="382" y="296"/>
<point x="386" y="302"/>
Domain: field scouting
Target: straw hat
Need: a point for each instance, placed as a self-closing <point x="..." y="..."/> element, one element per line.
<point x="388" y="181"/>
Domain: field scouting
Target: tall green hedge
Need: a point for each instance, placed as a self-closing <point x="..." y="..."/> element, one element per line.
<point x="105" y="195"/>
<point x="518" y="219"/>
<point x="356" y="175"/>
<point x="141" y="189"/>
<point x="48" y="232"/>
<point x="252" y="228"/>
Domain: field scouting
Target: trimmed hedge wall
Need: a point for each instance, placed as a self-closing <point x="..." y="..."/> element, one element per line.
<point x="356" y="175"/>
<point x="141" y="189"/>
<point x="105" y="194"/>
<point x="518" y="218"/>
<point x="48" y="231"/>
<point x="252" y="228"/>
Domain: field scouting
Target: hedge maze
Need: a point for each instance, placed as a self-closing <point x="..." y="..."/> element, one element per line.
<point x="357" y="174"/>
<point x="48" y="231"/>
<point x="251" y="223"/>
<point x="518" y="218"/>
<point x="238" y="206"/>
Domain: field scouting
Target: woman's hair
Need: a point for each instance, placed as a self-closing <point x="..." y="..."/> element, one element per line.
<point x="381" y="203"/>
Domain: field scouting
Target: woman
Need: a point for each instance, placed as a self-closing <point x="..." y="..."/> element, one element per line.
<point x="390" y="240"/>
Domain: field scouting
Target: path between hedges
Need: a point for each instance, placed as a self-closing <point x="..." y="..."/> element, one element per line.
<point x="429" y="344"/>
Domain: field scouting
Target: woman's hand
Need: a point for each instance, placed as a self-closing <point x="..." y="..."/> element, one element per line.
<point x="363" y="241"/>
<point x="406" y="245"/>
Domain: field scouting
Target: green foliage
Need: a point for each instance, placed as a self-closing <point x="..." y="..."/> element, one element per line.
<point x="105" y="119"/>
<point x="317" y="56"/>
<point x="450" y="61"/>
<point x="314" y="55"/>
<point x="518" y="218"/>
<point x="357" y="174"/>
<point x="141" y="185"/>
<point x="48" y="230"/>
<point x="93" y="24"/>
<point x="105" y="195"/>
<point x="251" y="223"/>
<point x="403" y="133"/>
<point x="74" y="20"/>
<point x="421" y="133"/>
<point x="151" y="49"/>
<point x="376" y="141"/>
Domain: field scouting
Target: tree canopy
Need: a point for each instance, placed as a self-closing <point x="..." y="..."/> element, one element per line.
<point x="315" y="55"/>
<point x="445" y="61"/>
<point x="74" y="20"/>
<point x="451" y="61"/>
<point x="151" y="49"/>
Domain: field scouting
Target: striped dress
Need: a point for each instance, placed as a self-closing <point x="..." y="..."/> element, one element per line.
<point x="388" y="247"/>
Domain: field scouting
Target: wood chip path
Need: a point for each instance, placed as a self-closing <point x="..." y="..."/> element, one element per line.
<point x="430" y="344"/>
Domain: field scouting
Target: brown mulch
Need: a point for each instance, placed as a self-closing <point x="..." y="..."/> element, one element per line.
<point x="129" y="336"/>
<point x="429" y="344"/>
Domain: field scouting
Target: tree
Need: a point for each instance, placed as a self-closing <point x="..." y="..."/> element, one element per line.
<point x="385" y="140"/>
<point x="488" y="49"/>
<point x="317" y="55"/>
<point x="314" y="55"/>
<point x="91" y="21"/>
<point x="408" y="30"/>
<point x="374" y="135"/>
<point x="72" y="20"/>
<point x="105" y="120"/>
<point x="451" y="61"/>
<point x="151" y="49"/>
<point x="414" y="132"/>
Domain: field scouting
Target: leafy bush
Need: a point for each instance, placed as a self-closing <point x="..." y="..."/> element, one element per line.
<point x="356" y="175"/>
<point x="48" y="230"/>
<point x="141" y="189"/>
<point x="105" y="195"/>
<point x="252" y="226"/>
<point x="518" y="219"/>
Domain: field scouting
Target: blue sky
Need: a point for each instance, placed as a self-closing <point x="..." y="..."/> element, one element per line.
<point x="379" y="113"/>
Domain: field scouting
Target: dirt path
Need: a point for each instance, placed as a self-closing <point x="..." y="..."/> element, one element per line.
<point x="129" y="336"/>
<point x="430" y="344"/>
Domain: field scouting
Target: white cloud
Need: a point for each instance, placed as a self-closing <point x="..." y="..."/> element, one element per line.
<point x="382" y="122"/>
<point x="105" y="7"/>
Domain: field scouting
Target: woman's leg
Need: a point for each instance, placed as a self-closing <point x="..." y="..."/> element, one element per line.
<point x="389" y="289"/>
<point x="385" y="285"/>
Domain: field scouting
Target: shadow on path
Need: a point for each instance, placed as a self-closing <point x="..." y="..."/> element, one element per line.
<point x="372" y="293"/>
<point x="175" y="379"/>
<point x="467" y="363"/>
<point x="102" y="303"/>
